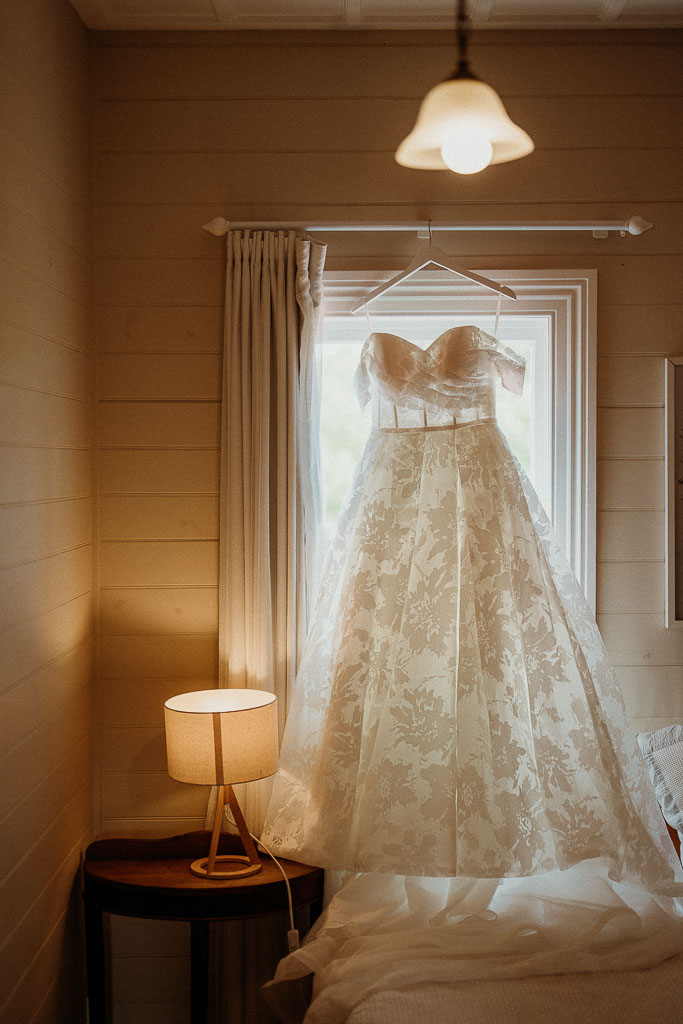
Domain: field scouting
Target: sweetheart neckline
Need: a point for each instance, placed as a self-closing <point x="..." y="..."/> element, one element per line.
<point x="418" y="348"/>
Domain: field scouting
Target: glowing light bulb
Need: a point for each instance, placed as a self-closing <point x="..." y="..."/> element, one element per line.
<point x="467" y="151"/>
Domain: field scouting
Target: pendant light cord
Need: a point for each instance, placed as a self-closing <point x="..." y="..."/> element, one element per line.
<point x="462" y="35"/>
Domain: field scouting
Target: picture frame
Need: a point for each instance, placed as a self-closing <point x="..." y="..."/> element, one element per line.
<point x="674" y="491"/>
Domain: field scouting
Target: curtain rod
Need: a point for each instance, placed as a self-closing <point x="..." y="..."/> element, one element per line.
<point x="632" y="226"/>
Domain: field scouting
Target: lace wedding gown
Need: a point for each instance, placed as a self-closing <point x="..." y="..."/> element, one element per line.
<point x="455" y="715"/>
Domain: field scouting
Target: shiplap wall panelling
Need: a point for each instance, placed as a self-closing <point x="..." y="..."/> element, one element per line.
<point x="46" y="384"/>
<point x="573" y="176"/>
<point x="266" y="125"/>
<point x="302" y="126"/>
<point x="158" y="436"/>
<point x="150" y="956"/>
<point x="631" y="522"/>
<point x="319" y="65"/>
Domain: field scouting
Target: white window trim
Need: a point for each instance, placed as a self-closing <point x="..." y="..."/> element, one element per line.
<point x="569" y="299"/>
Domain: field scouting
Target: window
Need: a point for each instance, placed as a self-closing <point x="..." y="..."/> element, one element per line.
<point x="551" y="428"/>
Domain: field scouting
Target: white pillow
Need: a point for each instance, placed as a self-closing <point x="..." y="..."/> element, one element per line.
<point x="663" y="753"/>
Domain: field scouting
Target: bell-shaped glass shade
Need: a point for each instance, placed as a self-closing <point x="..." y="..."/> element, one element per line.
<point x="461" y="108"/>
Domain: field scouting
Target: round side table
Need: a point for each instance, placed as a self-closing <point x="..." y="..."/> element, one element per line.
<point x="152" y="878"/>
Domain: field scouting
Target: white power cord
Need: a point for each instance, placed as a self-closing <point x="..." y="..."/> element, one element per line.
<point x="293" y="933"/>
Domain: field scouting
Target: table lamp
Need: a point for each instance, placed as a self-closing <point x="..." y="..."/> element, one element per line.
<point x="220" y="738"/>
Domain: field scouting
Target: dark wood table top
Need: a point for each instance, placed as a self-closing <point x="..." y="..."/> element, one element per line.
<point x="152" y="878"/>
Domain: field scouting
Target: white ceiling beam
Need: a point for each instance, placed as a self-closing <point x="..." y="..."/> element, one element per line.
<point x="391" y="14"/>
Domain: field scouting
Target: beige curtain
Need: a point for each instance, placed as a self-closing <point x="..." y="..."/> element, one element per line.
<point x="270" y="521"/>
<point x="270" y="472"/>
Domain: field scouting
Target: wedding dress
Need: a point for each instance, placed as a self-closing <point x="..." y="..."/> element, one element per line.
<point x="457" y="729"/>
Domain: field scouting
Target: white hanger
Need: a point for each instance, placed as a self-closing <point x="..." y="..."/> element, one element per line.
<point x="430" y="253"/>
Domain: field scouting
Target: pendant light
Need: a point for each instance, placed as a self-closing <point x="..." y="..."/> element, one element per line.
<point x="462" y="124"/>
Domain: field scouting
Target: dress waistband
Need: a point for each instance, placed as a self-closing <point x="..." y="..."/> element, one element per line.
<point x="429" y="430"/>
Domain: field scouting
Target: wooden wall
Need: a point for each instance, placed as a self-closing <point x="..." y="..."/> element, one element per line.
<point x="303" y="126"/>
<point x="45" y="519"/>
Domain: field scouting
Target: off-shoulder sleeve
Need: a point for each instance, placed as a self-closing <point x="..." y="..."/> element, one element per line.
<point x="509" y="366"/>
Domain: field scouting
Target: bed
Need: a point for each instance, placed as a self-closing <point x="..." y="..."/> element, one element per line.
<point x="603" y="997"/>
<point x="583" y="995"/>
<point x="600" y="997"/>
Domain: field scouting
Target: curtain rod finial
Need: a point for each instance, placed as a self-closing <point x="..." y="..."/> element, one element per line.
<point x="218" y="226"/>
<point x="637" y="225"/>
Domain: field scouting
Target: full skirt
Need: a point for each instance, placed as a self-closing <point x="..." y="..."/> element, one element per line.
<point x="455" y="712"/>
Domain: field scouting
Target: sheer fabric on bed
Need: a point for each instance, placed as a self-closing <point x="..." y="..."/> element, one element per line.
<point x="390" y="933"/>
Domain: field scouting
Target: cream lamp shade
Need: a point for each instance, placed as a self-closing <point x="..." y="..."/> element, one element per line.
<point x="220" y="738"/>
<point x="214" y="737"/>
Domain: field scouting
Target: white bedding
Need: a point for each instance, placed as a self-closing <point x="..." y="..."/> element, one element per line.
<point x="619" y="997"/>
<point x="387" y="938"/>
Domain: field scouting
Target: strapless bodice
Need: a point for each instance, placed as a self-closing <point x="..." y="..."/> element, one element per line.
<point x="451" y="381"/>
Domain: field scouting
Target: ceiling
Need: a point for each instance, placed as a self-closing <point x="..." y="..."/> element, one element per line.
<point x="376" y="14"/>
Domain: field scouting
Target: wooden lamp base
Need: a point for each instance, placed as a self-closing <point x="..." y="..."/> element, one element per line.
<point x="201" y="867"/>
<point x="206" y="867"/>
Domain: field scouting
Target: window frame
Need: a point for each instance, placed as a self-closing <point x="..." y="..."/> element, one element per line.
<point x="568" y="298"/>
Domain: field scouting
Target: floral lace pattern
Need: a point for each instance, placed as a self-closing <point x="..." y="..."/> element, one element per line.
<point x="455" y="712"/>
